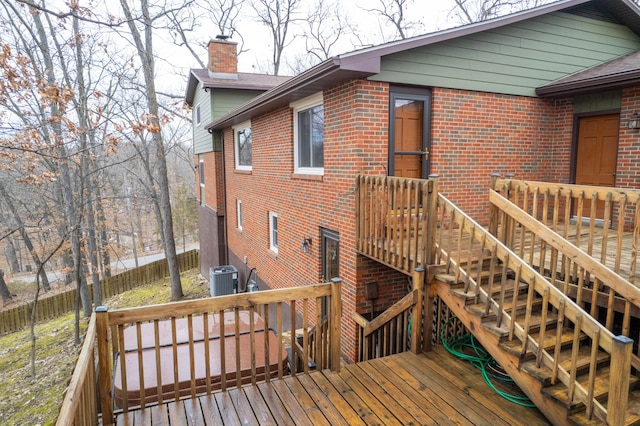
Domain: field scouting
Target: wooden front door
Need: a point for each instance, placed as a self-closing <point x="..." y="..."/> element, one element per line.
<point x="408" y="153"/>
<point x="597" y="153"/>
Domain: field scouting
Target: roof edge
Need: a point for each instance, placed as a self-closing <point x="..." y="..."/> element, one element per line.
<point x="313" y="74"/>
<point x="596" y="84"/>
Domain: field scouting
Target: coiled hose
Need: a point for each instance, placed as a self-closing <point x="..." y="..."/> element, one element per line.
<point x="465" y="347"/>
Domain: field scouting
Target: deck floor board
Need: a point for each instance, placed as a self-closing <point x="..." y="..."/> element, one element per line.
<point x="430" y="388"/>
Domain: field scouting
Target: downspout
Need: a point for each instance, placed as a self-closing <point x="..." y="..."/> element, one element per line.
<point x="224" y="201"/>
<point x="223" y="176"/>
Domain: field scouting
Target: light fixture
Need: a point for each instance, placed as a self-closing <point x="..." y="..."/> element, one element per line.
<point x="306" y="243"/>
<point x="634" y="121"/>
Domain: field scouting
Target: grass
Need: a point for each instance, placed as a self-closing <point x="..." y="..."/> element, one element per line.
<point x="26" y="400"/>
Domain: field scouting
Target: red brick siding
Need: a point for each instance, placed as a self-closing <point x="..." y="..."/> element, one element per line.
<point x="356" y="120"/>
<point x="222" y="56"/>
<point x="212" y="181"/>
<point x="475" y="134"/>
<point x="628" y="166"/>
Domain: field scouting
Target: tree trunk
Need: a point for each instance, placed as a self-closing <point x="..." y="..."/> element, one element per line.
<point x="73" y="223"/>
<point x="146" y="54"/>
<point x="25" y="236"/>
<point x="104" y="237"/>
<point x="12" y="257"/>
<point x="4" y="290"/>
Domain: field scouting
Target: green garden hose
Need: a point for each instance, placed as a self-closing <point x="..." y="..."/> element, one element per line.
<point x="465" y="347"/>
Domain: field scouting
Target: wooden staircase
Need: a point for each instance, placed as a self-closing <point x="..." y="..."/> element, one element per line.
<point x="546" y="330"/>
<point x="553" y="299"/>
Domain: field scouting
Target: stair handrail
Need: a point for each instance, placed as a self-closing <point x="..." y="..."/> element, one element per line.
<point x="584" y="205"/>
<point x="407" y="311"/>
<point x="605" y="275"/>
<point x="617" y="346"/>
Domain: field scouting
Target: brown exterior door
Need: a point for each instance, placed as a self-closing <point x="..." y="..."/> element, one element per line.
<point x="408" y="142"/>
<point x="597" y="153"/>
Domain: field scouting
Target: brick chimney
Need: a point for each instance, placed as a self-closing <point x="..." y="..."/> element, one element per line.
<point x="223" y="58"/>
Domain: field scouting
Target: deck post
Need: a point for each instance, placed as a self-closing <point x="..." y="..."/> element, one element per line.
<point x="619" y="383"/>
<point x="432" y="221"/>
<point x="336" y="321"/>
<point x="493" y="210"/>
<point x="104" y="365"/>
<point x="416" y="316"/>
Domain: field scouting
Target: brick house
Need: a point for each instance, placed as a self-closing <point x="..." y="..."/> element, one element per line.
<point x="211" y="93"/>
<point x="548" y="94"/>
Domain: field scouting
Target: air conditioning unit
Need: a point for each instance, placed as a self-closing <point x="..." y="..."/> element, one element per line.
<point x="223" y="280"/>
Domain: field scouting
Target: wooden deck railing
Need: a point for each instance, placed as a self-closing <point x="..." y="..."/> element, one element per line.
<point x="114" y="330"/>
<point x="80" y="405"/>
<point x="603" y="222"/>
<point x="573" y="271"/>
<point x="399" y="328"/>
<point x="393" y="225"/>
<point x="466" y="248"/>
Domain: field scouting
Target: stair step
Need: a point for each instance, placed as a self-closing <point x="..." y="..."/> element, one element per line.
<point x="458" y="290"/>
<point x="559" y="392"/>
<point x="484" y="275"/>
<point x="633" y="413"/>
<point x="515" y="346"/>
<point x="478" y="309"/>
<point x="564" y="361"/>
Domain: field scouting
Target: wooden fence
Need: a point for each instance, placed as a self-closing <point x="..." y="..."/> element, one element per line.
<point x="15" y="319"/>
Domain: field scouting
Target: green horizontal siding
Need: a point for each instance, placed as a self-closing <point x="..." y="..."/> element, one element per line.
<point x="513" y="59"/>
<point x="202" y="140"/>
<point x="225" y="100"/>
<point x="214" y="104"/>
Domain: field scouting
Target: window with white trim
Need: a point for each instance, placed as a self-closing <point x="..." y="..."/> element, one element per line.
<point x="308" y="135"/>
<point x="243" y="145"/>
<point x="239" y="214"/>
<point x="197" y="117"/>
<point x="273" y="232"/>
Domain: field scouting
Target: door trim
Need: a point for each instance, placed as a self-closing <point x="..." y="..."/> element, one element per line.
<point x="417" y="94"/>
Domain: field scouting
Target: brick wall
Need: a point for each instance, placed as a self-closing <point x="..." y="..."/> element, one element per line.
<point x="356" y="121"/>
<point x="212" y="181"/>
<point x="475" y="134"/>
<point x="628" y="168"/>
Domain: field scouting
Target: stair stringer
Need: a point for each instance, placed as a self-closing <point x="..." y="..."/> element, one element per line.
<point x="555" y="412"/>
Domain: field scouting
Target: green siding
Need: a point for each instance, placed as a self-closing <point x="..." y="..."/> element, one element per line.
<point x="594" y="102"/>
<point x="225" y="100"/>
<point x="514" y="59"/>
<point x="202" y="140"/>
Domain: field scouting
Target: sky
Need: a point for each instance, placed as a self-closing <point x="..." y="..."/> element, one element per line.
<point x="433" y="13"/>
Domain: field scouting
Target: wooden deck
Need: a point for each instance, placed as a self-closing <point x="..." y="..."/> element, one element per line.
<point x="430" y="388"/>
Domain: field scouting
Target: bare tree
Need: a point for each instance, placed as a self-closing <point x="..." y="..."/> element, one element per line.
<point x="142" y="39"/>
<point x="4" y="290"/>
<point x="327" y="24"/>
<point x="470" y="11"/>
<point x="394" y="13"/>
<point x="277" y="16"/>
<point x="186" y="25"/>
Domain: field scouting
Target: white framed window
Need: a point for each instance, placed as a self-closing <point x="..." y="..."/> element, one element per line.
<point x="239" y="214"/>
<point x="197" y="116"/>
<point x="273" y="232"/>
<point x="308" y="135"/>
<point x="243" y="145"/>
<point x="201" y="170"/>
